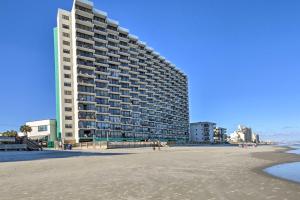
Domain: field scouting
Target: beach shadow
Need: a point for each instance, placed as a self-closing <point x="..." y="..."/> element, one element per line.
<point x="15" y="156"/>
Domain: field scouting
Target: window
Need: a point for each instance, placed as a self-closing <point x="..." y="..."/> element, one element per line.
<point x="102" y="109"/>
<point x="68" y="100"/>
<point x="68" y="117"/>
<point x="82" y="97"/>
<point x="114" y="111"/>
<point x="67" y="67"/>
<point x="68" y="92"/>
<point x="68" y="109"/>
<point x="66" y="34"/>
<point x="67" y="84"/>
<point x="114" y="96"/>
<point x="42" y="128"/>
<point x="65" y="17"/>
<point x="65" y="26"/>
<point x="66" y="43"/>
<point x="66" y="51"/>
<point x="101" y="85"/>
<point x="67" y="59"/>
<point x="69" y="134"/>
<point x="68" y="125"/>
<point x="67" y="75"/>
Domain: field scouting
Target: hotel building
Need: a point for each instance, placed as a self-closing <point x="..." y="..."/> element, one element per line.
<point x="202" y="132"/>
<point x="109" y="84"/>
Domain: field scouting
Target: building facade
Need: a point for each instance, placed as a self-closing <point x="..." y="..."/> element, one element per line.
<point x="242" y="134"/>
<point x="202" y="132"/>
<point x="255" y="138"/>
<point x="109" y="84"/>
<point x="220" y="135"/>
<point x="42" y="130"/>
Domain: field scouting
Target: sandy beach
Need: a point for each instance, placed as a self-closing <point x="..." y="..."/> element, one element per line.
<point x="172" y="173"/>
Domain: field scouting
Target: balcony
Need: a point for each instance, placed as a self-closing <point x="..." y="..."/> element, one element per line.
<point x="101" y="48"/>
<point x="85" y="67"/>
<point x="87" y="40"/>
<point x="85" y="83"/>
<point x="84" y="31"/>
<point x="84" y="22"/>
<point x="83" y="100"/>
<point x="86" y="75"/>
<point x="85" y="57"/>
<point x="101" y="81"/>
<point x="101" y="64"/>
<point x="112" y="39"/>
<point x="113" y="54"/>
<point x="114" y="62"/>
<point x="134" y="53"/>
<point x="143" y="64"/>
<point x="84" y="13"/>
<point x="98" y="23"/>
<point x="122" y="45"/>
<point x="124" y="53"/>
<point x="114" y="32"/>
<point x="87" y="92"/>
<point x="85" y="48"/>
<point x="124" y="61"/>
<point x="100" y="39"/>
<point x="113" y="47"/>
<point x="102" y="32"/>
<point x="100" y="56"/>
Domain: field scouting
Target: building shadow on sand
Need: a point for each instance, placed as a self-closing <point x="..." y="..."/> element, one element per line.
<point x="15" y="156"/>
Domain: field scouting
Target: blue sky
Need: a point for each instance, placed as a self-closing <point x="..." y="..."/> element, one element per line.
<point x="242" y="57"/>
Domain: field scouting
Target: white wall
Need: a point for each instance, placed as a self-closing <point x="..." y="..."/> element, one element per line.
<point x="197" y="132"/>
<point x="50" y="132"/>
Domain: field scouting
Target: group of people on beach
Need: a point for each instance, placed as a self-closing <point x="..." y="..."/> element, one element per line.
<point x="156" y="143"/>
<point x="247" y="145"/>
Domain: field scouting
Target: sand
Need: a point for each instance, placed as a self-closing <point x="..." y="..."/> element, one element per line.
<point x="172" y="173"/>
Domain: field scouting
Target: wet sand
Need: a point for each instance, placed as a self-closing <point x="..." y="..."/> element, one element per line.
<point x="172" y="173"/>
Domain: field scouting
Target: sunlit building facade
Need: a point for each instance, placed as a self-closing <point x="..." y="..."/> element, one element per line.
<point x="109" y="84"/>
<point x="202" y="132"/>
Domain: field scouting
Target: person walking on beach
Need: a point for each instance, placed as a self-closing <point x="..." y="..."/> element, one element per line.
<point x="158" y="145"/>
<point x="153" y="145"/>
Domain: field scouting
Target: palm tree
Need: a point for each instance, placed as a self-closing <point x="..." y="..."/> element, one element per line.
<point x="11" y="133"/>
<point x="25" y="129"/>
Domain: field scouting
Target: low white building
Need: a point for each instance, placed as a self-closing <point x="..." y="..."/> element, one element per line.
<point x="42" y="129"/>
<point x="202" y="132"/>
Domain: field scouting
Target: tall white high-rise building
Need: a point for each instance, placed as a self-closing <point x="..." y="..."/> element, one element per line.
<point x="109" y="84"/>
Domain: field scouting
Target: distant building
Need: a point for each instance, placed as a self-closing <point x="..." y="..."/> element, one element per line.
<point x="220" y="135"/>
<point x="255" y="138"/>
<point x="244" y="134"/>
<point x="202" y="132"/>
<point x="43" y="130"/>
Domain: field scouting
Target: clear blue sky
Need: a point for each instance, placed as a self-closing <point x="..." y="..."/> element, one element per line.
<point x="242" y="57"/>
